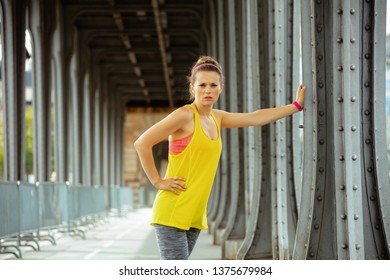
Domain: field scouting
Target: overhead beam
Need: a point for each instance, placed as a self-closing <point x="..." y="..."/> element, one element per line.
<point x="161" y="43"/>
<point x="193" y="9"/>
<point x="140" y="31"/>
<point x="146" y="50"/>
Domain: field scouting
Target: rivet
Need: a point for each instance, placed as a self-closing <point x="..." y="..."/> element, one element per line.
<point x="377" y="226"/>
<point x="368" y="28"/>
<point x="339" y="40"/>
<point x="357" y="246"/>
<point x="321" y="85"/>
<point x="352" y="40"/>
<point x="353" y="98"/>
<point x="354" y="157"/>
<point x="341" y="157"/>
<point x="340" y="128"/>
<point x="356" y="217"/>
<point x="366" y="112"/>
<point x="368" y="141"/>
<point x="352" y="11"/>
<point x="319" y="198"/>
<point x="316" y="226"/>
<point x="319" y="29"/>
<point x="353" y="67"/>
<point x="342" y="187"/>
<point x="320" y="57"/>
<point x="344" y="246"/>
<point x="339" y="11"/>
<point x="354" y="187"/>
<point x="322" y="113"/>
<point x="343" y="216"/>
<point x="369" y="169"/>
<point x="367" y="56"/>
<point x="353" y="128"/>
<point x="340" y="68"/>
<point x="311" y="254"/>
<point x="366" y="84"/>
<point x="340" y="99"/>
<point x="322" y="142"/>
<point x="372" y="198"/>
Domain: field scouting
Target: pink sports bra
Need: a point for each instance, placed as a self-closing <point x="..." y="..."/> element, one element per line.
<point x="177" y="146"/>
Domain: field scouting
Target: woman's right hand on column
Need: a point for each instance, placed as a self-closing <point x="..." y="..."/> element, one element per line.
<point x="300" y="96"/>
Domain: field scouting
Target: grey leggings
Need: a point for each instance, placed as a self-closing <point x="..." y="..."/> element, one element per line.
<point x="174" y="243"/>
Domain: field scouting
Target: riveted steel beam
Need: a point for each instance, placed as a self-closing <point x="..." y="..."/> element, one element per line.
<point x="215" y="194"/>
<point x="345" y="215"/>
<point x="305" y="218"/>
<point x="223" y="211"/>
<point x="258" y="241"/>
<point x="381" y="166"/>
<point x="234" y="231"/>
<point x="252" y="137"/>
<point x="279" y="171"/>
<point x="323" y="192"/>
<point x="375" y="170"/>
<point x="351" y="165"/>
<point x="223" y="168"/>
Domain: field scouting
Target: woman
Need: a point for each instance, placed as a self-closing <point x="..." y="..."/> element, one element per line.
<point x="179" y="210"/>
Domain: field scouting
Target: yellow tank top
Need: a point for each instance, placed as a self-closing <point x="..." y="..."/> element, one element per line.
<point x="197" y="163"/>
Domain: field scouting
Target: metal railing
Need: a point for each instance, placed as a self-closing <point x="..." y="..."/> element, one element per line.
<point x="30" y="213"/>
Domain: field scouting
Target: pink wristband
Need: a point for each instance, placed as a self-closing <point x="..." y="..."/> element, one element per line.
<point x="296" y="104"/>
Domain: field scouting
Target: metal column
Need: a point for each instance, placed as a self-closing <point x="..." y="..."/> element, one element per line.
<point x="234" y="231"/>
<point x="14" y="26"/>
<point x="223" y="172"/>
<point x="216" y="190"/>
<point x="42" y="27"/>
<point x="60" y="99"/>
<point x="252" y="138"/>
<point x="342" y="214"/>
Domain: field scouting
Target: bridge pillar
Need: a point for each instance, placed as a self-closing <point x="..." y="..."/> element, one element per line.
<point x="343" y="214"/>
<point x="13" y="38"/>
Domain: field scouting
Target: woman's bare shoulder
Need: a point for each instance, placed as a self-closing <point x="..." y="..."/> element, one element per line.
<point x="184" y="113"/>
<point x="218" y="114"/>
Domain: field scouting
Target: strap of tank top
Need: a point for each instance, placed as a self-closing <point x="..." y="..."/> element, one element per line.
<point x="196" y="115"/>
<point x="197" y="120"/>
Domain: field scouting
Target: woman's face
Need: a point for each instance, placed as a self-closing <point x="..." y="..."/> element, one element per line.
<point x="207" y="87"/>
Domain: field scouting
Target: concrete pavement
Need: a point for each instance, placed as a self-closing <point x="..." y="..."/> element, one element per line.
<point x="119" y="238"/>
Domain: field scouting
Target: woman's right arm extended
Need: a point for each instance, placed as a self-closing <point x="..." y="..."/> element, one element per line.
<point x="154" y="135"/>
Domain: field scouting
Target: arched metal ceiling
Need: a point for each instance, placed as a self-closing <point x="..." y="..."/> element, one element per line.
<point x="145" y="46"/>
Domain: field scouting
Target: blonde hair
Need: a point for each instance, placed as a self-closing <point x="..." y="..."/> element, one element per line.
<point x="204" y="63"/>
